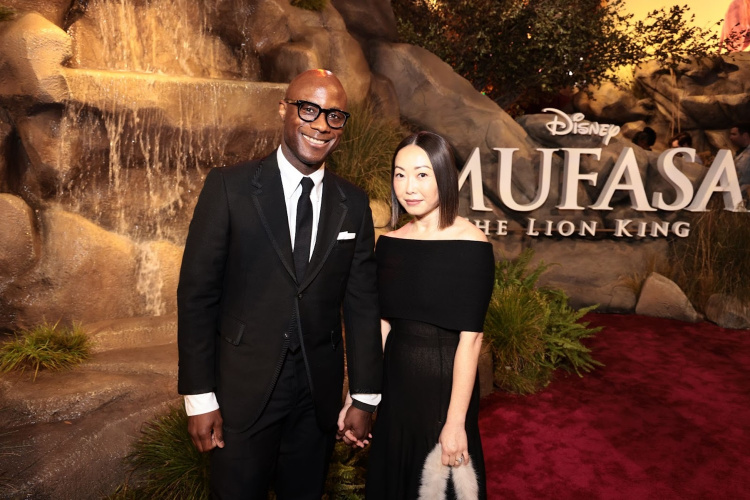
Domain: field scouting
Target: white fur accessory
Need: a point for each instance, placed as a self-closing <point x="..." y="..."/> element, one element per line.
<point x="435" y="478"/>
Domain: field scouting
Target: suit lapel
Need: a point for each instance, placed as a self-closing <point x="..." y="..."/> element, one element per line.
<point x="268" y="198"/>
<point x="333" y="210"/>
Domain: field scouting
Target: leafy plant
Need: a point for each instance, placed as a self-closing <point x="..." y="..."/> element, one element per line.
<point x="364" y="154"/>
<point x="520" y="53"/>
<point x="714" y="258"/>
<point x="346" y="473"/>
<point x="165" y="465"/>
<point x="533" y="331"/>
<point x="314" y="5"/>
<point x="668" y="36"/>
<point x="172" y="467"/>
<point x="48" y="346"/>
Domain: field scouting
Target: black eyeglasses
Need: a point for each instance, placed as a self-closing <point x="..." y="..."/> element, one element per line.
<point x="309" y="112"/>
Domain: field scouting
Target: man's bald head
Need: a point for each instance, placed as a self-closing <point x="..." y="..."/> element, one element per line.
<point x="313" y="78"/>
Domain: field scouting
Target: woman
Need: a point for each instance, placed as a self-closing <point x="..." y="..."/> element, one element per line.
<point x="435" y="278"/>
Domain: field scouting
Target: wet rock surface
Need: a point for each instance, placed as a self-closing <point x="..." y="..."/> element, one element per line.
<point x="65" y="434"/>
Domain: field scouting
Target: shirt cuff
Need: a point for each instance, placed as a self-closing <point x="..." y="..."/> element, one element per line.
<point x="198" y="404"/>
<point x="366" y="402"/>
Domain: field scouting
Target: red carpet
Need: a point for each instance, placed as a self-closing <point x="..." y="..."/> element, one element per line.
<point x="668" y="417"/>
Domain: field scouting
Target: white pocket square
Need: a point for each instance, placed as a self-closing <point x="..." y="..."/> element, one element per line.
<point x="346" y="235"/>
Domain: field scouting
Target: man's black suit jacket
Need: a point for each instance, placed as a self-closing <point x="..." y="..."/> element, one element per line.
<point x="238" y="293"/>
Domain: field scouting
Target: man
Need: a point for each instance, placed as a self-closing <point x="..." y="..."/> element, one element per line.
<point x="740" y="137"/>
<point x="275" y="248"/>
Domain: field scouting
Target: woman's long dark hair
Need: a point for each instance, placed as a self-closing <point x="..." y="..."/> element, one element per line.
<point x="443" y="164"/>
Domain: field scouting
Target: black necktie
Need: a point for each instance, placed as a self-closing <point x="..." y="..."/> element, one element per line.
<point x="303" y="233"/>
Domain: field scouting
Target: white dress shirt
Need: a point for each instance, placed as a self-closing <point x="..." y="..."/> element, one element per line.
<point x="291" y="178"/>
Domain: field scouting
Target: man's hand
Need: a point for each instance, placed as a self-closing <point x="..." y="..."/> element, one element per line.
<point x="354" y="426"/>
<point x="205" y="430"/>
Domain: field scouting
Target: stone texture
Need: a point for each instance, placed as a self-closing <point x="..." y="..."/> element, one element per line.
<point x="81" y="275"/>
<point x="290" y="40"/>
<point x="76" y="427"/>
<point x="6" y="137"/>
<point x="382" y="94"/>
<point x="40" y="134"/>
<point x="662" y="298"/>
<point x="34" y="50"/>
<point x="99" y="44"/>
<point x="56" y="11"/>
<point x="368" y="19"/>
<point x="594" y="272"/>
<point x="131" y="333"/>
<point x="432" y="95"/>
<point x="728" y="312"/>
<point x="19" y="250"/>
<point x="612" y="104"/>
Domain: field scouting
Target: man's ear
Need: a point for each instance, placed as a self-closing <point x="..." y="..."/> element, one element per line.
<point x="282" y="110"/>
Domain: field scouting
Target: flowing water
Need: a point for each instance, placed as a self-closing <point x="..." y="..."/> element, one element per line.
<point x="153" y="86"/>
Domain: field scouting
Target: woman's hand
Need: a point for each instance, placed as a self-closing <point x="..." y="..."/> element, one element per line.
<point x="454" y="445"/>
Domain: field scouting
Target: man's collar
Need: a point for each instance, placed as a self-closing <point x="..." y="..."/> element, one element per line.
<point x="291" y="177"/>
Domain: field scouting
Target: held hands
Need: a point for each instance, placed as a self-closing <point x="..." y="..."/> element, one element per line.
<point x="205" y="430"/>
<point x="354" y="425"/>
<point x="454" y="444"/>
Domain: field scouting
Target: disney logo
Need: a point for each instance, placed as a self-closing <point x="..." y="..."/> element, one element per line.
<point x="564" y="124"/>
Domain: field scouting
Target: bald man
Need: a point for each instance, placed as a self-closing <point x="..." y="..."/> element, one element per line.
<point x="277" y="248"/>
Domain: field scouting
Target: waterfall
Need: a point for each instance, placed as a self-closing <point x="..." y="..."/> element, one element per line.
<point x="158" y="100"/>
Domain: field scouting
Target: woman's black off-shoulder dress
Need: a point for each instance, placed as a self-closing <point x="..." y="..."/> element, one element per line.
<point x="430" y="291"/>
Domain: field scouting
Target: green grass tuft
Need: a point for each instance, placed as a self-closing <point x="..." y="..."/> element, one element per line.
<point x="364" y="154"/>
<point x="314" y="5"/>
<point x="48" y="346"/>
<point x="164" y="465"/>
<point x="172" y="467"/>
<point x="533" y="331"/>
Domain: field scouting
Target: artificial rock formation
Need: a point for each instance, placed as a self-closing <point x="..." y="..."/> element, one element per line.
<point x="662" y="298"/>
<point x="704" y="98"/>
<point x="728" y="312"/>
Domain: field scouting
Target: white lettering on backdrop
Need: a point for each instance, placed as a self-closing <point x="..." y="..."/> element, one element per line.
<point x="564" y="124"/>
<point x="721" y="177"/>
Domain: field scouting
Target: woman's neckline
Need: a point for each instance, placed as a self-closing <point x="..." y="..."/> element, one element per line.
<point x="434" y="241"/>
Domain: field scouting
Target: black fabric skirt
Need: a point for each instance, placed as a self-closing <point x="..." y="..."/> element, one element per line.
<point x="417" y="385"/>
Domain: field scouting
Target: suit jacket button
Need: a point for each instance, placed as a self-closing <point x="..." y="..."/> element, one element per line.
<point x="286" y="335"/>
<point x="299" y="296"/>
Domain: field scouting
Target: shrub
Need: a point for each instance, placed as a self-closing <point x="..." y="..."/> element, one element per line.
<point x="533" y="331"/>
<point x="47" y="346"/>
<point x="172" y="467"/>
<point x="347" y="472"/>
<point x="364" y="154"/>
<point x="166" y="466"/>
<point x="714" y="258"/>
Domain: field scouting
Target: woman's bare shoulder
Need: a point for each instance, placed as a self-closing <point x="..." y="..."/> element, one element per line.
<point x="401" y="232"/>
<point x="465" y="230"/>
